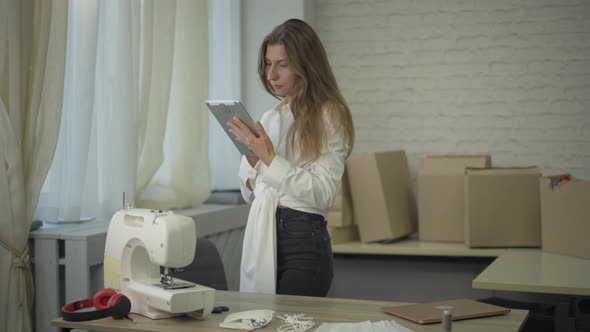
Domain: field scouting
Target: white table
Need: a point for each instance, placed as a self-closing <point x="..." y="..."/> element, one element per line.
<point x="536" y="271"/>
<point x="414" y="247"/>
<point x="79" y="247"/>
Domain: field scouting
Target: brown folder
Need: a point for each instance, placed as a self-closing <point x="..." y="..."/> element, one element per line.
<point x="427" y="313"/>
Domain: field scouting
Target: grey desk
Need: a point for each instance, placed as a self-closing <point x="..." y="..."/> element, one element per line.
<point x="74" y="249"/>
<point x="397" y="270"/>
<point x="514" y="269"/>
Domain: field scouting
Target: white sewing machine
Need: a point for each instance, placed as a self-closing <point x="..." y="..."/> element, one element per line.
<point x="139" y="241"/>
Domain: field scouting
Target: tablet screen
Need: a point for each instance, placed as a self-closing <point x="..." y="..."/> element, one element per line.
<point x="224" y="111"/>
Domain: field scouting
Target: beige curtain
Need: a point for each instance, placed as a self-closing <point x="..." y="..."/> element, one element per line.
<point x="32" y="59"/>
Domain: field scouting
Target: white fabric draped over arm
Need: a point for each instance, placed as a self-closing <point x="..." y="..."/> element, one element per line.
<point x="246" y="173"/>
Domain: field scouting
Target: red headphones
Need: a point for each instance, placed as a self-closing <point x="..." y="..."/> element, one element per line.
<point x="107" y="303"/>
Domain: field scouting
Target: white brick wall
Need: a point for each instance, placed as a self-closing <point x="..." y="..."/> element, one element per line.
<point x="508" y="78"/>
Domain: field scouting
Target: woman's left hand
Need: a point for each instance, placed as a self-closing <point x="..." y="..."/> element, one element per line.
<point x="261" y="145"/>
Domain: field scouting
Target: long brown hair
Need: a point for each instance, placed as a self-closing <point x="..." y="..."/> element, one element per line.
<point x="316" y="87"/>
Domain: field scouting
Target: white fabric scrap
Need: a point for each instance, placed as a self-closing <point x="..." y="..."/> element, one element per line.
<point x="366" y="326"/>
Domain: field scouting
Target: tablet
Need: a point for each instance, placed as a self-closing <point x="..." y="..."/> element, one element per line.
<point x="224" y="111"/>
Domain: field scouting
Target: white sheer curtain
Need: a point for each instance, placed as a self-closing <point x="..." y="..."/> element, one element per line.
<point x="225" y="80"/>
<point x="32" y="60"/>
<point x="175" y="173"/>
<point x="133" y="120"/>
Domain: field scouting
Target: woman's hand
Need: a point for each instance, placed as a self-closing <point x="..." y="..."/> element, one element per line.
<point x="261" y="145"/>
<point x="252" y="160"/>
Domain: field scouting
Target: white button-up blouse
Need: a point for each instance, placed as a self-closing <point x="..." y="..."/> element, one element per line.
<point x="308" y="186"/>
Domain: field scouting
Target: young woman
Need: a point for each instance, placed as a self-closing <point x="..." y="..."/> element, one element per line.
<point x="300" y="145"/>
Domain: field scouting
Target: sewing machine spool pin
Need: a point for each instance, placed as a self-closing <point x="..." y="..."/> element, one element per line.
<point x="127" y="206"/>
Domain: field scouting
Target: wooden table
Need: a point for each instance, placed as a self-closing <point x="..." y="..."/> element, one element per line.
<point x="322" y="309"/>
<point x="536" y="271"/>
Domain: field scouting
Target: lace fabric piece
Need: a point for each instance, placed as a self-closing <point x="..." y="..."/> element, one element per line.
<point x="247" y="320"/>
<point x="366" y="326"/>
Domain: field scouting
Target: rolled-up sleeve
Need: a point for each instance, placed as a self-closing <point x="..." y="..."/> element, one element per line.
<point x="247" y="172"/>
<point x="317" y="183"/>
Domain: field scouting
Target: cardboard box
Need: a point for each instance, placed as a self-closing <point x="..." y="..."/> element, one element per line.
<point x="502" y="207"/>
<point x="565" y="217"/>
<point x="337" y="206"/>
<point x="337" y="218"/>
<point x="340" y="214"/>
<point x="384" y="206"/>
<point x="441" y="196"/>
<point x="343" y="234"/>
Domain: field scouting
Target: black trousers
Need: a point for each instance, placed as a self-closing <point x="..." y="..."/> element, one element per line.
<point x="304" y="254"/>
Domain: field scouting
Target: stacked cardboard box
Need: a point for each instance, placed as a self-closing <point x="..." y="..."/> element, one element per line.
<point x="384" y="205"/>
<point x="565" y="216"/>
<point x="441" y="196"/>
<point x="340" y="220"/>
<point x="463" y="199"/>
<point x="502" y="207"/>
